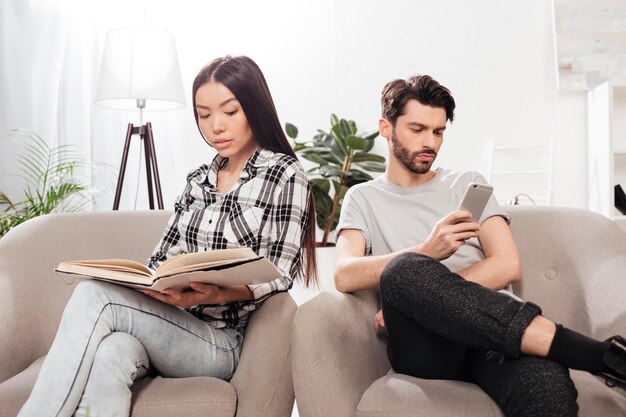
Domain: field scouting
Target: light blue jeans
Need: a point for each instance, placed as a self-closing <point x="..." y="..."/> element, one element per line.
<point x="111" y="335"/>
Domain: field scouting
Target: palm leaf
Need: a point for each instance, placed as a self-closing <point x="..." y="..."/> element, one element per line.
<point x="51" y="180"/>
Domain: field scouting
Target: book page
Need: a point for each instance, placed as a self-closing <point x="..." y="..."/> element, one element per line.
<point x="187" y="261"/>
<point x="107" y="274"/>
<point x="256" y="271"/>
<point x="122" y="265"/>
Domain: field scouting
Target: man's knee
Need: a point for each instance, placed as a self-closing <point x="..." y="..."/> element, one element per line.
<point x="404" y="270"/>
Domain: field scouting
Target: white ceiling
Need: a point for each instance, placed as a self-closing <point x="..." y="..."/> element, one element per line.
<point x="590" y="42"/>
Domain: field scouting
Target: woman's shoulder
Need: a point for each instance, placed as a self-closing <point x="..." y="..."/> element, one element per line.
<point x="279" y="164"/>
<point x="201" y="171"/>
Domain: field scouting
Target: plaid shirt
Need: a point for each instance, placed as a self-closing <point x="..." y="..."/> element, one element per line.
<point x="266" y="210"/>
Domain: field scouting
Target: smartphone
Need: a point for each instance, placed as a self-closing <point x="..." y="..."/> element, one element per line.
<point x="475" y="199"/>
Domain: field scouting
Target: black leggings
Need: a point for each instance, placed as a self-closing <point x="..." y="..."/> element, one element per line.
<point x="441" y="326"/>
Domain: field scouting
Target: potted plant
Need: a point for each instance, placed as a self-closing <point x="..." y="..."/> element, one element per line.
<point x="342" y="158"/>
<point x="51" y="181"/>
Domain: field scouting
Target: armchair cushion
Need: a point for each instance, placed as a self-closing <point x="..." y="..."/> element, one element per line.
<point x="402" y="395"/>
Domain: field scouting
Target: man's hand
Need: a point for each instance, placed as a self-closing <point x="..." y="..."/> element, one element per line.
<point x="199" y="294"/>
<point x="449" y="234"/>
<point x="379" y="322"/>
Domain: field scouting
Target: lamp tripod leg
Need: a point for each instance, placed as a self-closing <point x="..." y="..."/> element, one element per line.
<point x="155" y="167"/>
<point x="148" y="157"/>
<point x="120" y="177"/>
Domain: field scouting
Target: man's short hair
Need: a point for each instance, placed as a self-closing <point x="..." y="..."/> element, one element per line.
<point x="422" y="88"/>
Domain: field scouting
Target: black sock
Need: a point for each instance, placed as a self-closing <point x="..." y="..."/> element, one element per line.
<point x="577" y="351"/>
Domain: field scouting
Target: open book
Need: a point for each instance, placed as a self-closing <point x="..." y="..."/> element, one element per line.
<point x="219" y="267"/>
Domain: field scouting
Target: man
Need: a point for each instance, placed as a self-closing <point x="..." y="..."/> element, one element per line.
<point x="444" y="277"/>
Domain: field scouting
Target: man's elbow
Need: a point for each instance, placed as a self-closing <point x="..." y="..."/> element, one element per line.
<point x="516" y="270"/>
<point x="341" y="278"/>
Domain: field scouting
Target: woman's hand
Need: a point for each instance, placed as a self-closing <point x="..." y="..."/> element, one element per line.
<point x="198" y="294"/>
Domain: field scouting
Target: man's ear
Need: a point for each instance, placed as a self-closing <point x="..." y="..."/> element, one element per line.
<point x="385" y="128"/>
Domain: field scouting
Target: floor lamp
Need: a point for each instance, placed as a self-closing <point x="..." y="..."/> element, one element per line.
<point x="140" y="71"/>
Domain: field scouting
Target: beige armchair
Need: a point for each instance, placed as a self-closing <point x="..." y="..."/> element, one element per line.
<point x="574" y="267"/>
<point x="32" y="298"/>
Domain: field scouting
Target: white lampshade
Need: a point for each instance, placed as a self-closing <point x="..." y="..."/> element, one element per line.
<point x="140" y="64"/>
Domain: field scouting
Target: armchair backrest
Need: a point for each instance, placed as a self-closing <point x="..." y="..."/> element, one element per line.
<point x="571" y="261"/>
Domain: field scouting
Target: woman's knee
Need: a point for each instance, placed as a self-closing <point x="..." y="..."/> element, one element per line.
<point x="123" y="352"/>
<point x="120" y="359"/>
<point x="88" y="289"/>
<point x="98" y="293"/>
<point x="86" y="293"/>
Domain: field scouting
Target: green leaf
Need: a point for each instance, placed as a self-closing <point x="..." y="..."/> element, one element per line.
<point x="322" y="138"/>
<point x="346" y="130"/>
<point x="328" y="141"/>
<point x="291" y="130"/>
<point x="323" y="183"/>
<point x="334" y="120"/>
<point x="340" y="189"/>
<point x="372" y="135"/>
<point x="371" y="166"/>
<point x="339" y="138"/>
<point x="330" y="171"/>
<point x="356" y="176"/>
<point x="297" y="147"/>
<point x="323" y="204"/>
<point x="353" y="128"/>
<point x="313" y="157"/>
<point x="355" y="142"/>
<point x="371" y="140"/>
<point x="313" y="149"/>
<point x="362" y="157"/>
<point x="4" y="200"/>
<point x="329" y="158"/>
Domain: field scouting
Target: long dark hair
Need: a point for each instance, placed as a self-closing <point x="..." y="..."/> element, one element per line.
<point x="243" y="77"/>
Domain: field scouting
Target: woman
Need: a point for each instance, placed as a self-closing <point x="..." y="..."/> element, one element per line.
<point x="254" y="193"/>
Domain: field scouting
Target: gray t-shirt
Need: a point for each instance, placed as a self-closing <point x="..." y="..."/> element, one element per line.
<point x="392" y="217"/>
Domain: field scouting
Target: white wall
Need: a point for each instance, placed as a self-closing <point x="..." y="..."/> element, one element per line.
<point x="497" y="57"/>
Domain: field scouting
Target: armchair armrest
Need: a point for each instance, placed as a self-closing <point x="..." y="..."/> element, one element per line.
<point x="263" y="380"/>
<point x="336" y="352"/>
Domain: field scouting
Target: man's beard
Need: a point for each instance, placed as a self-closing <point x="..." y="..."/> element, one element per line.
<point x="408" y="159"/>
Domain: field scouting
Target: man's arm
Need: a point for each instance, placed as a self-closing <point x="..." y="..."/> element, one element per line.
<point x="502" y="265"/>
<point x="354" y="271"/>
